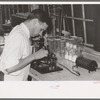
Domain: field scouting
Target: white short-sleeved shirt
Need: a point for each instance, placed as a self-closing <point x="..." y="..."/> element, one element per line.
<point x="17" y="46"/>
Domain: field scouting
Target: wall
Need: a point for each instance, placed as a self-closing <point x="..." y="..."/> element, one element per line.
<point x="97" y="27"/>
<point x="1" y="30"/>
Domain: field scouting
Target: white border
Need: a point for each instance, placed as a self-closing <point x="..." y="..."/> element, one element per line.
<point x="49" y="89"/>
<point x="34" y="2"/>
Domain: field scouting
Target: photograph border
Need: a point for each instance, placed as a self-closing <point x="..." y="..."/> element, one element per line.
<point x="60" y="90"/>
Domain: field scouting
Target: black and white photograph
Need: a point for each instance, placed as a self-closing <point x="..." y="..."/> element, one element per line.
<point x="49" y="42"/>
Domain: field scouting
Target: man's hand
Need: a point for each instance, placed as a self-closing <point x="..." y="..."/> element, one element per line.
<point x="6" y="71"/>
<point x="40" y="54"/>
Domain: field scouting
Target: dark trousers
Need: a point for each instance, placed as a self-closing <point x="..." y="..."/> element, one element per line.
<point x="1" y="76"/>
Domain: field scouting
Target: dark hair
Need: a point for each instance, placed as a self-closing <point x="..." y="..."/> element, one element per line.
<point x="41" y="16"/>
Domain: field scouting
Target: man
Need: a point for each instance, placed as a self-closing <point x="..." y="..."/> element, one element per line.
<point x="16" y="55"/>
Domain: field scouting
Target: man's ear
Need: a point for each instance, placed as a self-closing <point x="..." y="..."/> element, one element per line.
<point x="34" y="21"/>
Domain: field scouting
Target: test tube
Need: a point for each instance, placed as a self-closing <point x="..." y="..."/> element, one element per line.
<point x="66" y="49"/>
<point x="62" y="48"/>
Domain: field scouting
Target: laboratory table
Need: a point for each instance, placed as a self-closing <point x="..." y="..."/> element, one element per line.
<point x="66" y="75"/>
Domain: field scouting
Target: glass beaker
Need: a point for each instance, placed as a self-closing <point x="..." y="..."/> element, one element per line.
<point x="62" y="47"/>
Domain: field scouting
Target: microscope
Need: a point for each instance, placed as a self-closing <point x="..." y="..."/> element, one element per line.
<point x="47" y="64"/>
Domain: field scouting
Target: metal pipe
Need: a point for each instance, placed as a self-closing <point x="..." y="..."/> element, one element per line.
<point x="73" y="23"/>
<point x="60" y="21"/>
<point x="84" y="26"/>
<point x="75" y="18"/>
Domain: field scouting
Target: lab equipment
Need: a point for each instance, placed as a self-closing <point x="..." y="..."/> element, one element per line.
<point x="90" y="65"/>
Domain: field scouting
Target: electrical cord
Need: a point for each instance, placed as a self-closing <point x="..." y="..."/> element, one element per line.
<point x="76" y="72"/>
<point x="98" y="68"/>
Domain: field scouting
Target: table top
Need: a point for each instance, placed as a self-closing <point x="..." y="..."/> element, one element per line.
<point x="66" y="75"/>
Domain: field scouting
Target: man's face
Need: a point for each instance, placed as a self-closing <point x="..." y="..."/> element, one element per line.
<point x="38" y="28"/>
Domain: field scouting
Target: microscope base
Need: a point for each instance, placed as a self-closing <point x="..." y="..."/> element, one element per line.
<point x="46" y="69"/>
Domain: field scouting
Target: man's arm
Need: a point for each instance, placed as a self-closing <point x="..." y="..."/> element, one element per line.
<point x="24" y="62"/>
<point x="14" y="52"/>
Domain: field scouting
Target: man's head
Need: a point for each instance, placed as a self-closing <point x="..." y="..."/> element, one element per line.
<point x="37" y="22"/>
